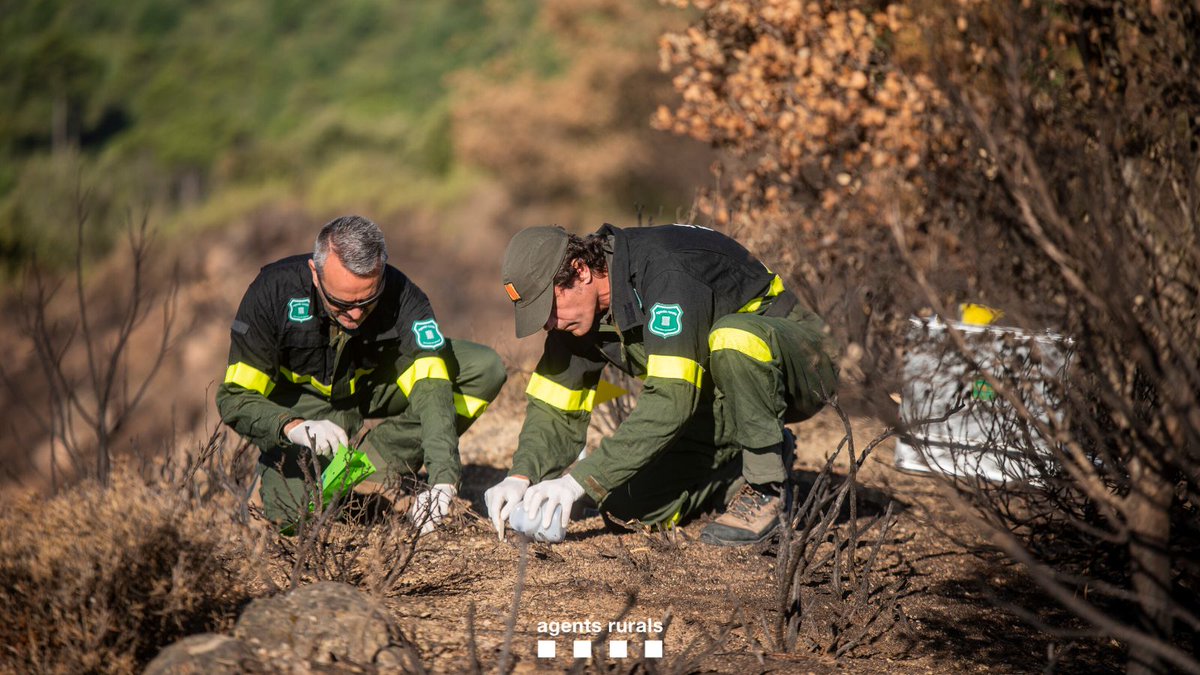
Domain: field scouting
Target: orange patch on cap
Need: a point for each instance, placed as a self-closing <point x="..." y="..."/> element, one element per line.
<point x="512" y="292"/>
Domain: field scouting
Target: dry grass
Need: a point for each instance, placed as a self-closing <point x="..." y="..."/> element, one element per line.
<point x="97" y="580"/>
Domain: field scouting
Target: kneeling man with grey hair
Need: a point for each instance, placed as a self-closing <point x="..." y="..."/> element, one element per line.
<point x="323" y="342"/>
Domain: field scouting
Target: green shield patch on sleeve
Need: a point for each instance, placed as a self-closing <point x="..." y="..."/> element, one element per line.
<point x="666" y="320"/>
<point x="428" y="334"/>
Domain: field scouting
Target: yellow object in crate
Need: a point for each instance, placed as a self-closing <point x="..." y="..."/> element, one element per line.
<point x="979" y="315"/>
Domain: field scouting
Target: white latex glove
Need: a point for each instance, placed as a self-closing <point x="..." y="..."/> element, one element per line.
<point x="432" y="506"/>
<point x="502" y="498"/>
<point x="558" y="492"/>
<point x="322" y="436"/>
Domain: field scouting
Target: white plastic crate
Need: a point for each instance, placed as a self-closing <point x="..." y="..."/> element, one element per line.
<point x="986" y="438"/>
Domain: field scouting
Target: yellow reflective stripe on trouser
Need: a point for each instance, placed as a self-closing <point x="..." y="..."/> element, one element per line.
<point x="469" y="406"/>
<point x="246" y="375"/>
<point x="674" y="367"/>
<point x="325" y="389"/>
<point x="555" y="394"/>
<point x="773" y="290"/>
<point x="671" y="522"/>
<point x="740" y="341"/>
<point x="424" y="368"/>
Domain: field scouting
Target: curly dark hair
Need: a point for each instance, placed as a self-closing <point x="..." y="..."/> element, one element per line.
<point x="589" y="249"/>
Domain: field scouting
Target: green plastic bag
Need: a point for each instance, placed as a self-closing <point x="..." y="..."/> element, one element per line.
<point x="348" y="468"/>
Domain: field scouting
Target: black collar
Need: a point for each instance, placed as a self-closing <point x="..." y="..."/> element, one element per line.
<point x="624" y="304"/>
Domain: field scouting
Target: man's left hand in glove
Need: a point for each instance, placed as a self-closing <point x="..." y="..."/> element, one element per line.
<point x="564" y="492"/>
<point x="430" y="507"/>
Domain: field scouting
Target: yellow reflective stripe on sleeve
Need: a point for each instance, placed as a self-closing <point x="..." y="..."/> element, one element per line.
<point x="607" y="391"/>
<point x="246" y="375"/>
<point x="555" y="394"/>
<point x="675" y="368"/>
<point x="773" y="290"/>
<point x="306" y="379"/>
<point x="469" y="406"/>
<point x="741" y="341"/>
<point x="424" y="368"/>
<point x="357" y="374"/>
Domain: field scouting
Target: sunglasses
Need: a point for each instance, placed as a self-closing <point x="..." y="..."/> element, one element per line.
<point x="345" y="305"/>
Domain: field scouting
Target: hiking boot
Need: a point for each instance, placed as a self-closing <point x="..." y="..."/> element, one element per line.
<point x="750" y="518"/>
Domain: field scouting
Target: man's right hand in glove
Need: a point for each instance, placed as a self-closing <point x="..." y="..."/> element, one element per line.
<point x="322" y="436"/>
<point x="502" y="498"/>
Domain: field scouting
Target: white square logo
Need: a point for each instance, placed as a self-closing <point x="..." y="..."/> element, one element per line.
<point x="618" y="649"/>
<point x="546" y="649"/>
<point x="583" y="649"/>
<point x="654" y="649"/>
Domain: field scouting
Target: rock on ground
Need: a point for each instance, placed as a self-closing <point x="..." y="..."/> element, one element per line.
<point x="323" y="623"/>
<point x="327" y="627"/>
<point x="206" y="653"/>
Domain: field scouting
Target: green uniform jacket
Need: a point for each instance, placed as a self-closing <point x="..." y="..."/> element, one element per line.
<point x="669" y="284"/>
<point x="283" y="342"/>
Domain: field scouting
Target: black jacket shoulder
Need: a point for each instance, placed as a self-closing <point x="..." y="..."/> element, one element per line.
<point x="703" y="255"/>
<point x="287" y="281"/>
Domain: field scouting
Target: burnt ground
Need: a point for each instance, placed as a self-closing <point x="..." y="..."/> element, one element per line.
<point x="960" y="609"/>
<point x="960" y="605"/>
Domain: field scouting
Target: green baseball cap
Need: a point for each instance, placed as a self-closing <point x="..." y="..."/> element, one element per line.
<point x="532" y="258"/>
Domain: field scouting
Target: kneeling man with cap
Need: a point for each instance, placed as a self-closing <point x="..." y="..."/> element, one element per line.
<point x="727" y="355"/>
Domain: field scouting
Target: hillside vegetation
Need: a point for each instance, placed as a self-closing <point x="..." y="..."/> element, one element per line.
<point x="205" y="111"/>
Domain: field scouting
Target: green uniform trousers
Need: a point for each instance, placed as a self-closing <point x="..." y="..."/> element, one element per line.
<point x="765" y="371"/>
<point x="394" y="445"/>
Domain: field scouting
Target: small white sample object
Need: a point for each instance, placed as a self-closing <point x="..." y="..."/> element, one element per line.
<point x="532" y="527"/>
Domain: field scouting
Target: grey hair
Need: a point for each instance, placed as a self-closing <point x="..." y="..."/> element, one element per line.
<point x="356" y="241"/>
